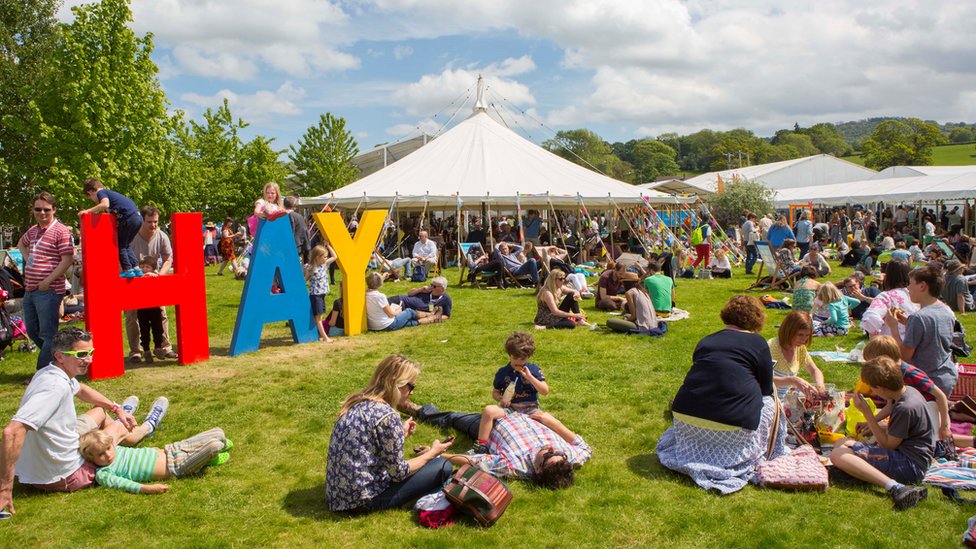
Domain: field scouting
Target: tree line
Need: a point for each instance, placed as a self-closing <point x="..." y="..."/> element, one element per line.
<point x="890" y="142"/>
<point x="83" y="99"/>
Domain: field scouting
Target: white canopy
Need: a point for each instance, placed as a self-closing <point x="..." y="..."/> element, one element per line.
<point x="922" y="188"/>
<point x="479" y="160"/>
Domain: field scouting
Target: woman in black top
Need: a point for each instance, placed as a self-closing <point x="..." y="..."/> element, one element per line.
<point x="725" y="407"/>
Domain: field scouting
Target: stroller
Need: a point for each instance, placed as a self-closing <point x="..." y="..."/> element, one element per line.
<point x="12" y="329"/>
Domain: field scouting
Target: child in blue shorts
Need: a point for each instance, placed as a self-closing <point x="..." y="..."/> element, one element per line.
<point x="517" y="387"/>
<point x="905" y="447"/>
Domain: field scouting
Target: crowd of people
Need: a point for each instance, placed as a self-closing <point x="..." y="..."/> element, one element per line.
<point x="723" y="414"/>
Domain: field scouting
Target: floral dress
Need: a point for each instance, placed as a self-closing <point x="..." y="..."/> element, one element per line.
<point x="365" y="455"/>
<point x="803" y="298"/>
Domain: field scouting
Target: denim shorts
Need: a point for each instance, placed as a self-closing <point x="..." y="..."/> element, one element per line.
<point x="892" y="463"/>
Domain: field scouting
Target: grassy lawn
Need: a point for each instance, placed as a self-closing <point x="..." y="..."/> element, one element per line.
<point x="279" y="404"/>
<point x="944" y="155"/>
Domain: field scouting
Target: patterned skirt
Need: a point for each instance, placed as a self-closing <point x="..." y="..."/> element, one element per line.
<point x="720" y="460"/>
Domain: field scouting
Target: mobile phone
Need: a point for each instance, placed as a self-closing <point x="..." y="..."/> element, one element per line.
<point x="448" y="438"/>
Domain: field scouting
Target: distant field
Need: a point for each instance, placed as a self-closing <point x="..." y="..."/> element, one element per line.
<point x="946" y="155"/>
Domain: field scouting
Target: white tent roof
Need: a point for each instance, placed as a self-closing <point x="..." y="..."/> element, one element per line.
<point x="912" y="171"/>
<point x="921" y="188"/>
<point x="820" y="169"/>
<point x="677" y="186"/>
<point x="480" y="160"/>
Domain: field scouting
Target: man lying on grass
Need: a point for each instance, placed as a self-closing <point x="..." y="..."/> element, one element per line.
<point x="519" y="447"/>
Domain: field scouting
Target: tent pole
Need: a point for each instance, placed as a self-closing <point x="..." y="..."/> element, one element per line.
<point x="491" y="234"/>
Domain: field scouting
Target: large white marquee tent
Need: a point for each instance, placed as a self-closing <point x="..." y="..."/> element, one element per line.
<point x="480" y="161"/>
<point x="958" y="186"/>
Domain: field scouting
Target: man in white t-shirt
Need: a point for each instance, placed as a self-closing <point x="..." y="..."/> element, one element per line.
<point x="42" y="438"/>
<point x="150" y="241"/>
<point x="425" y="251"/>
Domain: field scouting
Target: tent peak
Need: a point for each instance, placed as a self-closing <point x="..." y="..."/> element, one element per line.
<point x="479" y="104"/>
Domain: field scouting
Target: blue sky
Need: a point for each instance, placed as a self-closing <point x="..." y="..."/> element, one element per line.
<point x="625" y="69"/>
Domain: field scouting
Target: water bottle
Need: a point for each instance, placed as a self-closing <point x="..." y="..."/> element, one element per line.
<point x="508" y="395"/>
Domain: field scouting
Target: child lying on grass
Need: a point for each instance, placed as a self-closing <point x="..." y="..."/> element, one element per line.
<point x="127" y="468"/>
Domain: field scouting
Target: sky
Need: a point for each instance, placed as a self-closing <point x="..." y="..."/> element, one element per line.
<point x="626" y="69"/>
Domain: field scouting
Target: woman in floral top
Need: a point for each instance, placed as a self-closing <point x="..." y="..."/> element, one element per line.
<point x="366" y="470"/>
<point x="894" y="294"/>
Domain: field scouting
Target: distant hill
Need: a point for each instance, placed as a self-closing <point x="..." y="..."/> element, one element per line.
<point x="856" y="131"/>
<point x="944" y="155"/>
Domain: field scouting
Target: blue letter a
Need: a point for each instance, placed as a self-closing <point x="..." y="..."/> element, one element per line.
<point x="274" y="251"/>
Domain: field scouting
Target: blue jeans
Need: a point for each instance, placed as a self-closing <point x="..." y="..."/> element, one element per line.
<point x="41" y="319"/>
<point x="128" y="228"/>
<point x="531" y="268"/>
<point x="407" y="317"/>
<point x="752" y="255"/>
<point x="804" y="248"/>
<point x="427" y="480"/>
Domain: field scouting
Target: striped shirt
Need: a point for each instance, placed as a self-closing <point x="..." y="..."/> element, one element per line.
<point x="46" y="247"/>
<point x="131" y="467"/>
<point x="516" y="439"/>
<point x="915" y="377"/>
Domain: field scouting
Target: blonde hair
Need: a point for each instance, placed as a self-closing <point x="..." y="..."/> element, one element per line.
<point x="278" y="198"/>
<point x="882" y="346"/>
<point x="94" y="442"/>
<point x="317" y="253"/>
<point x="392" y="373"/>
<point x="552" y="285"/>
<point x="828" y="293"/>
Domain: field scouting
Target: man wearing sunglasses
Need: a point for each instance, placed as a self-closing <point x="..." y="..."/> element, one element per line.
<point x="518" y="447"/>
<point x="41" y="441"/>
<point x="48" y="253"/>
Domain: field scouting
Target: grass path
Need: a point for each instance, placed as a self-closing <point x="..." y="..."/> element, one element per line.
<point x="279" y="404"/>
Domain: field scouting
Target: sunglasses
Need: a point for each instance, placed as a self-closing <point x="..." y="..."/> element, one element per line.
<point x="411" y="387"/>
<point x="39" y="210"/>
<point x="80" y="354"/>
<point x="551" y="454"/>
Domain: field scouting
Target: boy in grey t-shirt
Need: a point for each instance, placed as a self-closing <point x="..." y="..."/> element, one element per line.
<point x="956" y="292"/>
<point x="904" y="448"/>
<point x="928" y="332"/>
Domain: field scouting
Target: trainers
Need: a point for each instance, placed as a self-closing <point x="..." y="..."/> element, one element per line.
<point x="135" y="358"/>
<point x="907" y="496"/>
<point x="130" y="404"/>
<point x="156" y="414"/>
<point x="220" y="459"/>
<point x="409" y="407"/>
<point x="161" y="354"/>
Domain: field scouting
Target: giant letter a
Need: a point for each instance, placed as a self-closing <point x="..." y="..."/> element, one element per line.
<point x="274" y="251"/>
<point x="107" y="295"/>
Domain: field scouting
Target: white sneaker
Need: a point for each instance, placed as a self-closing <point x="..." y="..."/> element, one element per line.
<point x="130" y="404"/>
<point x="156" y="414"/>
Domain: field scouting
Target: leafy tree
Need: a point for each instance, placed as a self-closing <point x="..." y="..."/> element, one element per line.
<point x="651" y="159"/>
<point x="699" y="149"/>
<point x="828" y="139"/>
<point x="586" y="148"/>
<point x="104" y="114"/>
<point x="737" y="197"/>
<point x="324" y="153"/>
<point x="802" y="144"/>
<point x="736" y="144"/>
<point x="901" y="143"/>
<point x="28" y="38"/>
<point x="962" y="135"/>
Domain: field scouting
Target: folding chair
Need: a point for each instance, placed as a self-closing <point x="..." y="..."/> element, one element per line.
<point x="949" y="251"/>
<point x="464" y="264"/>
<point x="771" y="276"/>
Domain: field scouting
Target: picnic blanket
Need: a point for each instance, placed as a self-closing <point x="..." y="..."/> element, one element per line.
<point x="832" y="356"/>
<point x="676" y="315"/>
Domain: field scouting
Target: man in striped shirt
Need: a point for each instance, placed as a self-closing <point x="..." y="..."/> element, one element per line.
<point x="48" y="253"/>
<point x="518" y="447"/>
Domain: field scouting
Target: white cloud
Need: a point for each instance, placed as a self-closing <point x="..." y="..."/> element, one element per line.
<point x="436" y="92"/>
<point x="426" y="125"/>
<point x="260" y="106"/>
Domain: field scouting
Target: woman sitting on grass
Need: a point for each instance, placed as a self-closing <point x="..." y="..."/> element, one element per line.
<point x="565" y="315"/>
<point x="639" y="313"/>
<point x="789" y="350"/>
<point x="366" y="470"/>
<point x="725" y="407"/>
<point x="383" y="317"/>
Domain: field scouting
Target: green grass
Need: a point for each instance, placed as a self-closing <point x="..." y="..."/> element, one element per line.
<point x="279" y="405"/>
<point x="943" y="155"/>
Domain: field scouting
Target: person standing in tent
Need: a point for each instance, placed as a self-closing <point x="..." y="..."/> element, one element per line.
<point x="700" y="240"/>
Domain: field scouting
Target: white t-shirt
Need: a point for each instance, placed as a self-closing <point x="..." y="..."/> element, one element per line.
<point x="50" y="451"/>
<point x="929" y="229"/>
<point x="376" y="317"/>
<point x="720" y="263"/>
<point x="426" y="251"/>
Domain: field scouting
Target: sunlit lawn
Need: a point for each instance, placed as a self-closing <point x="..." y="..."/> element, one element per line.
<point x="279" y="404"/>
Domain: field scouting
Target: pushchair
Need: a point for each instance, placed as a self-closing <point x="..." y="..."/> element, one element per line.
<point x="12" y="330"/>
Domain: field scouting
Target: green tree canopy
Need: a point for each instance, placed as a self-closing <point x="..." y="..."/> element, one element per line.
<point x="801" y="143"/>
<point x="901" y="143"/>
<point x="652" y="158"/>
<point x="324" y="154"/>
<point x="962" y="135"/>
<point x="828" y="139"/>
<point x="586" y="148"/>
<point x="737" y="197"/>
<point x="28" y="38"/>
